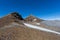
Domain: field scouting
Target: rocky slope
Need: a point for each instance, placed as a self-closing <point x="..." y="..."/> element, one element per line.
<point x="13" y="17"/>
<point x="22" y="32"/>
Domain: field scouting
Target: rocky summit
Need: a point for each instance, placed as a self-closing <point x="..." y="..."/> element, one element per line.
<point x="32" y="18"/>
<point x="12" y="27"/>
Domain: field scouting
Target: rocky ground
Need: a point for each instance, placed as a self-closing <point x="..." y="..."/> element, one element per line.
<point x="21" y="32"/>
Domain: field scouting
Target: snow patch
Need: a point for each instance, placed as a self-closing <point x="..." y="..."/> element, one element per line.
<point x="34" y="19"/>
<point x="40" y="28"/>
<point x="38" y="23"/>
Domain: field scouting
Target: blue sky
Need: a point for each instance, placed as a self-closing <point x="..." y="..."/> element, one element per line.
<point x="45" y="9"/>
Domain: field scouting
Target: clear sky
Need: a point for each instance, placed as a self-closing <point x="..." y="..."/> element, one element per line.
<point x="45" y="9"/>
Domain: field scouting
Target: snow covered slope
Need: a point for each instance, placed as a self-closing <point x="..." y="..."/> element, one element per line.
<point x="40" y="28"/>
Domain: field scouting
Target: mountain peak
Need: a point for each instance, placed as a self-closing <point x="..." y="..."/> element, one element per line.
<point x="32" y="18"/>
<point x="13" y="17"/>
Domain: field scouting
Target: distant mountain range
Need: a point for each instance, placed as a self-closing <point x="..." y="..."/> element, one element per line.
<point x="15" y="27"/>
<point x="55" y="23"/>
